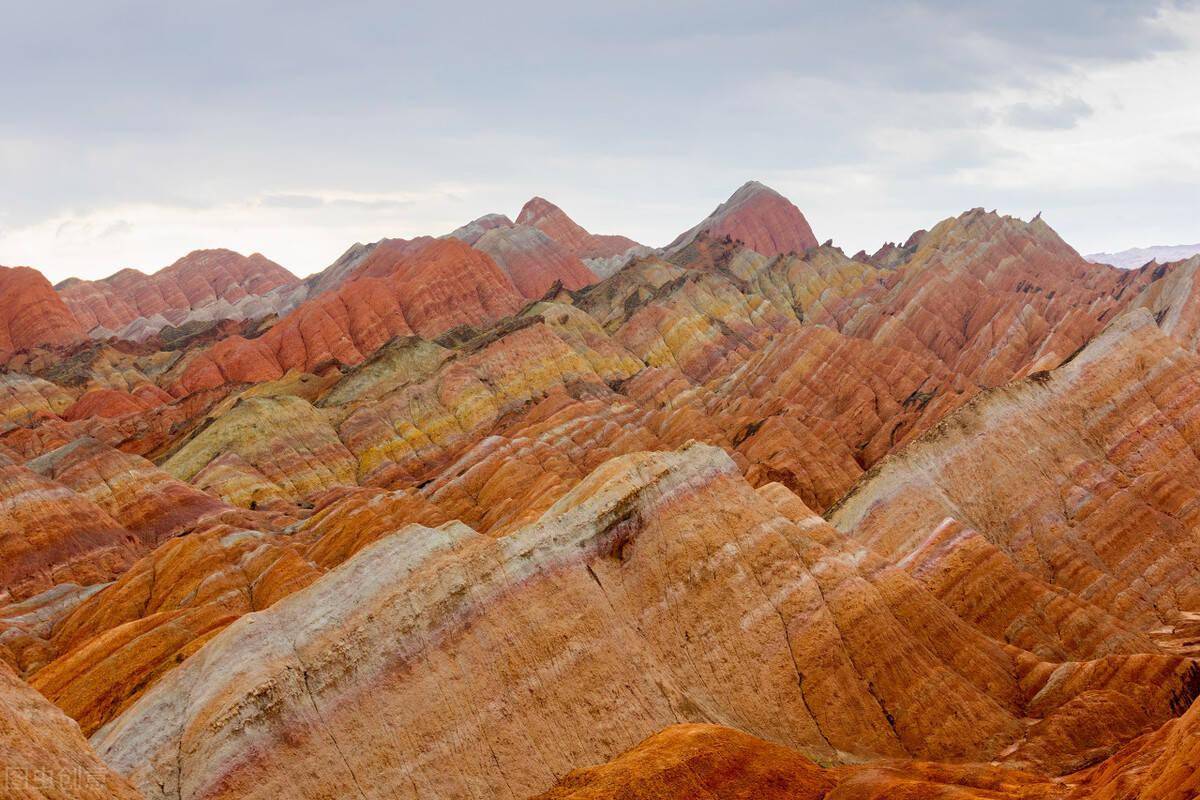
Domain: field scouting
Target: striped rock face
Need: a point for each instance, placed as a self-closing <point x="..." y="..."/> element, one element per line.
<point x="534" y="261"/>
<point x="1105" y="447"/>
<point x="205" y="285"/>
<point x="747" y="516"/>
<point x="49" y="534"/>
<point x="761" y="218"/>
<point x="31" y="314"/>
<point x="661" y="589"/>
<point x="440" y="285"/>
<point x="553" y="221"/>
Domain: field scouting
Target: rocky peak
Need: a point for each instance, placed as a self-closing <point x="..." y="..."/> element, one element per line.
<point x="757" y="215"/>
<point x="31" y="314"/>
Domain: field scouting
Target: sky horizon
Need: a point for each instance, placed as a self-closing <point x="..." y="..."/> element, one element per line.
<point x="139" y="132"/>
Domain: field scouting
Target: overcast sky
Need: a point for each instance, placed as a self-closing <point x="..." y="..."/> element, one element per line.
<point x="134" y="132"/>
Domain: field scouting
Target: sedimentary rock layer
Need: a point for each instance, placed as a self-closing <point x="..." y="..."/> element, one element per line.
<point x="661" y="589"/>
<point x="31" y="314"/>
<point x="553" y="221"/>
<point x="1083" y="476"/>
<point x="203" y="285"/>
<point x="758" y="216"/>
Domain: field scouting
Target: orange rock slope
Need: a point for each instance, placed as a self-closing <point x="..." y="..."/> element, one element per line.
<point x="31" y="314"/>
<point x="275" y="555"/>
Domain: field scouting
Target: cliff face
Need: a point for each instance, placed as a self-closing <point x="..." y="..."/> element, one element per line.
<point x="275" y="555"/>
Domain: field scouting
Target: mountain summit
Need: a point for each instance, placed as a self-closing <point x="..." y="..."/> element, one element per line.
<point x="554" y="222"/>
<point x="762" y="218"/>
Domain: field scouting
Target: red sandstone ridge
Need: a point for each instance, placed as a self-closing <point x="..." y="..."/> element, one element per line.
<point x="398" y="289"/>
<point x="763" y="219"/>
<point x="31" y="314"/>
<point x="205" y="284"/>
<point x="553" y="221"/>
<point x="533" y="260"/>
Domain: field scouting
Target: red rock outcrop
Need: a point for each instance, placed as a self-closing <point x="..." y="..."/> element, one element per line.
<point x="145" y="500"/>
<point x="553" y="221"/>
<point x="686" y="761"/>
<point x="396" y="290"/>
<point x="115" y="403"/>
<point x="31" y="314"/>
<point x="992" y="297"/>
<point x="115" y="644"/>
<point x="205" y="284"/>
<point x="49" y="534"/>
<point x="1171" y="296"/>
<point x="758" y="216"/>
<point x="533" y="260"/>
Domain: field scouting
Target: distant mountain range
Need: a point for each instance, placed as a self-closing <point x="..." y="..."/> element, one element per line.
<point x="1137" y="256"/>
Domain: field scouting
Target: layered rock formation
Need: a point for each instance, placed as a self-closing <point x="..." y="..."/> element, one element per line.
<point x="396" y="290"/>
<point x="31" y="314"/>
<point x="276" y="555"/>
<point x="628" y="569"/>
<point x="533" y="260"/>
<point x="686" y="761"/>
<point x="231" y="460"/>
<point x="203" y="285"/>
<point x="991" y="297"/>
<point x="1081" y="476"/>
<point x="553" y="221"/>
<point x="50" y="535"/>
<point x="758" y="216"/>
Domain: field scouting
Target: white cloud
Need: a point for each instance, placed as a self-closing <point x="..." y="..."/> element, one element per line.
<point x="303" y="237"/>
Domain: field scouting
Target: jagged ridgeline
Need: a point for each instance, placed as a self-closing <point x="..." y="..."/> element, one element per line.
<point x="526" y="511"/>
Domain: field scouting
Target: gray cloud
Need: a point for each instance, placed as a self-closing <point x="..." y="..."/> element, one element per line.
<point x="631" y="115"/>
<point x="1063" y="115"/>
